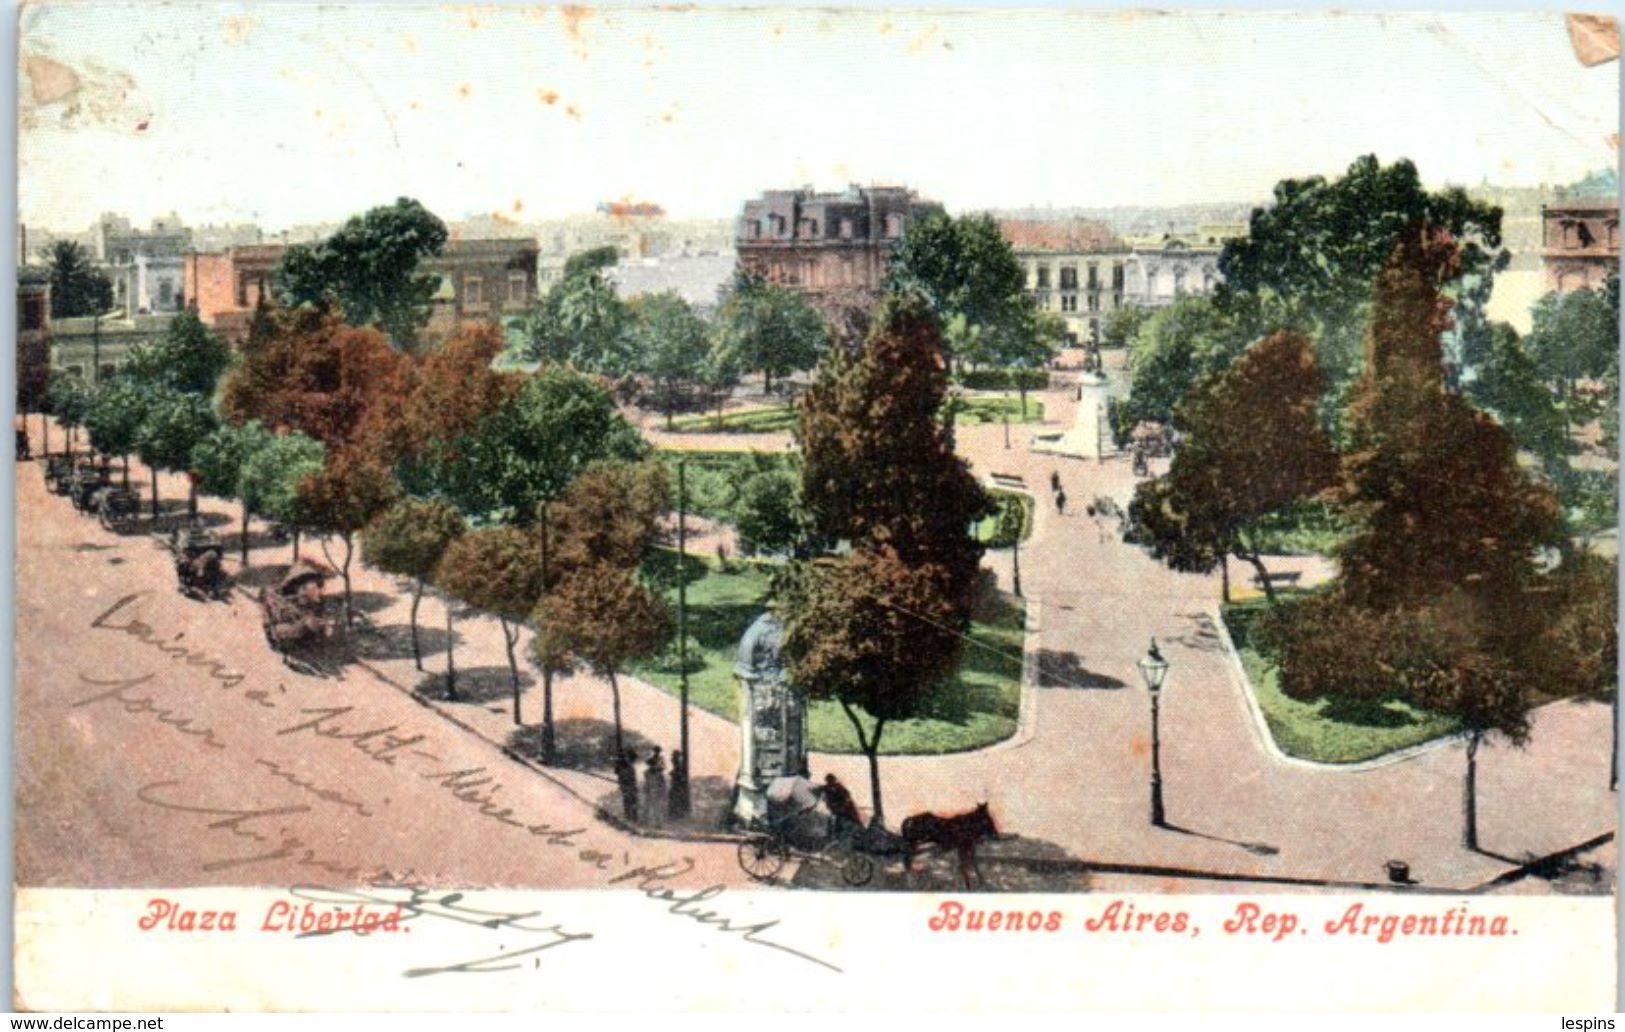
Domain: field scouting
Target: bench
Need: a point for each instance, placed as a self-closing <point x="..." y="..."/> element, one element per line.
<point x="1007" y="480"/>
<point x="1288" y="577"/>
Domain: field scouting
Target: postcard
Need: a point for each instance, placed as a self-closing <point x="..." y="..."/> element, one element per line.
<point x="697" y="509"/>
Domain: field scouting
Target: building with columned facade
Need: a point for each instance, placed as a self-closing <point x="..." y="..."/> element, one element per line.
<point x="826" y="242"/>
<point x="1580" y="245"/>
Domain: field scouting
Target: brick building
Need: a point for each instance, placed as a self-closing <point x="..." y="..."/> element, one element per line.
<point x="1580" y="245"/>
<point x="826" y="242"/>
<point x="480" y="281"/>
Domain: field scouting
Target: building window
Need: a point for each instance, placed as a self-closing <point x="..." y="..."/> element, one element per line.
<point x="1117" y="276"/>
<point x="1069" y="277"/>
<point x="166" y="293"/>
<point x="1179" y="281"/>
<point x="894" y="226"/>
<point x="1069" y="302"/>
<point x="754" y="228"/>
<point x="516" y="287"/>
<point x="1094" y="277"/>
<point x="1613" y="234"/>
<point x="242" y="290"/>
<point x="846" y="229"/>
<point x="473" y="291"/>
<point x="1094" y="302"/>
<point x="1043" y="277"/>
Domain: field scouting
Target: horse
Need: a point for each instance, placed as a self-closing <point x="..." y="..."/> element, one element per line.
<point x="961" y="832"/>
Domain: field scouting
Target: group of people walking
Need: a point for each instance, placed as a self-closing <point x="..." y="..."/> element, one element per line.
<point x="659" y="799"/>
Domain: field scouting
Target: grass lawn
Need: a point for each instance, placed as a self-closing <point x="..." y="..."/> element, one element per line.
<point x="977" y="709"/>
<point x="783" y="417"/>
<point x="1328" y="730"/>
<point x="987" y="531"/>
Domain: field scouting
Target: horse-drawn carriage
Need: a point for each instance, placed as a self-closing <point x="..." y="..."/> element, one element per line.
<point x="199" y="572"/>
<point x="56" y="471"/>
<point x="117" y="506"/>
<point x="86" y="480"/>
<point x="295" y="611"/>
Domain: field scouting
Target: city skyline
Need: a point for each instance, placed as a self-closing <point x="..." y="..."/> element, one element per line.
<point x="289" y="115"/>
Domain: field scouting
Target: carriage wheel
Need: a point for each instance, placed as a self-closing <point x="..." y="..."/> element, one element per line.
<point x="762" y="856"/>
<point x="857" y="869"/>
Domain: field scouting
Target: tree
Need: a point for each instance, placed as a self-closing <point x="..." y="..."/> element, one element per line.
<point x="189" y="357"/>
<point x="1186" y="342"/>
<point x="1253" y="445"/>
<point x="310" y="372"/>
<point x="499" y="570"/>
<point x="874" y="634"/>
<point x="1309" y="258"/>
<point x="670" y="344"/>
<point x="68" y="399"/>
<point x="408" y="540"/>
<point x="219" y="460"/>
<point x="114" y="418"/>
<point x="769" y="514"/>
<point x="1575" y="336"/>
<point x="600" y="616"/>
<point x="766" y="328"/>
<point x="78" y="288"/>
<point x="452" y="389"/>
<point x="1123" y="325"/>
<point x="964" y="267"/>
<point x="369" y="268"/>
<point x="271" y="475"/>
<point x="173" y="426"/>
<point x="1510" y="385"/>
<point x="529" y="449"/>
<point x="1439" y="601"/>
<point x="610" y="514"/>
<point x="580" y="320"/>
<point x="1434" y="483"/>
<point x="878" y="465"/>
<point x="722" y="371"/>
<point x="351" y="489"/>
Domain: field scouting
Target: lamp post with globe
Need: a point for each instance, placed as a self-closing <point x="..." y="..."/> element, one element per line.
<point x="1154" y="669"/>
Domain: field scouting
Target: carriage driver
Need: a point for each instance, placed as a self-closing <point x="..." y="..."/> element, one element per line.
<point x="838" y="801"/>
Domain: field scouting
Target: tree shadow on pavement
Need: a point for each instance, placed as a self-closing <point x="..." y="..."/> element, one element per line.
<point x="1202" y="636"/>
<point x="1058" y="669"/>
<point x="476" y="686"/>
<point x="710" y="802"/>
<point x="581" y="743"/>
<point x="1255" y="848"/>
<point x="256" y="577"/>
<point x="394" y="641"/>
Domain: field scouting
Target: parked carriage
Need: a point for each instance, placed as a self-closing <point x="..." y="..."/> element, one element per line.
<point x="86" y="480"/>
<point x="56" y="471"/>
<point x="295" y="611"/>
<point x="117" y="506"/>
<point x="199" y="569"/>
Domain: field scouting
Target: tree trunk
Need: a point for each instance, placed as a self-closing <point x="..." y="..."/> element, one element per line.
<point x="154" y="470"/>
<point x="1021" y="385"/>
<point x="126" y="460"/>
<point x="451" y="657"/>
<point x="767" y="381"/>
<point x="510" y="637"/>
<point x="44" y="436"/>
<point x="417" y="596"/>
<point x="615" y="696"/>
<point x="1224" y="574"/>
<point x="1263" y="574"/>
<point x="191" y="499"/>
<point x="1469" y="794"/>
<point x="871" y="749"/>
<point x="295" y="544"/>
<point x="344" y="571"/>
<point x="245" y="533"/>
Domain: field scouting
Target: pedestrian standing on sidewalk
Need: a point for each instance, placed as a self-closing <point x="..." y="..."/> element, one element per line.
<point x="654" y="789"/>
<point x="677" y="799"/>
<point x="1060" y="502"/>
<point x="1055" y="480"/>
<point x="626" y="776"/>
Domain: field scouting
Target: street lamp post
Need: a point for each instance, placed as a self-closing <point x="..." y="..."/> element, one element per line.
<point x="1153" y="668"/>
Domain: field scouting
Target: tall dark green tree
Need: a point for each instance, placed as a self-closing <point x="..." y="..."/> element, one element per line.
<point x="175" y="422"/>
<point x="1309" y="258"/>
<point x="370" y="270"/>
<point x="580" y="320"/>
<point x="763" y="327"/>
<point x="965" y="268"/>
<point x="78" y="288"/>
<point x="670" y="344"/>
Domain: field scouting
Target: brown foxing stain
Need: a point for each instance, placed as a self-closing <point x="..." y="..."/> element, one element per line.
<point x="885" y="28"/>
<point x="547" y="97"/>
<point x="49" y="81"/>
<point x="416" y="105"/>
<point x="464" y="91"/>
<point x="518" y="205"/>
<point x="923" y="39"/>
<point x="238" y="28"/>
<point x="409" y="44"/>
<point x="573" y="17"/>
<point x="573" y="111"/>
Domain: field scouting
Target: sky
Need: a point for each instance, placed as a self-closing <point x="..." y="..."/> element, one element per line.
<point x="282" y="114"/>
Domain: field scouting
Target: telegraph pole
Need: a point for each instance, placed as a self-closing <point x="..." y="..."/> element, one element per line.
<point x="679" y="781"/>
